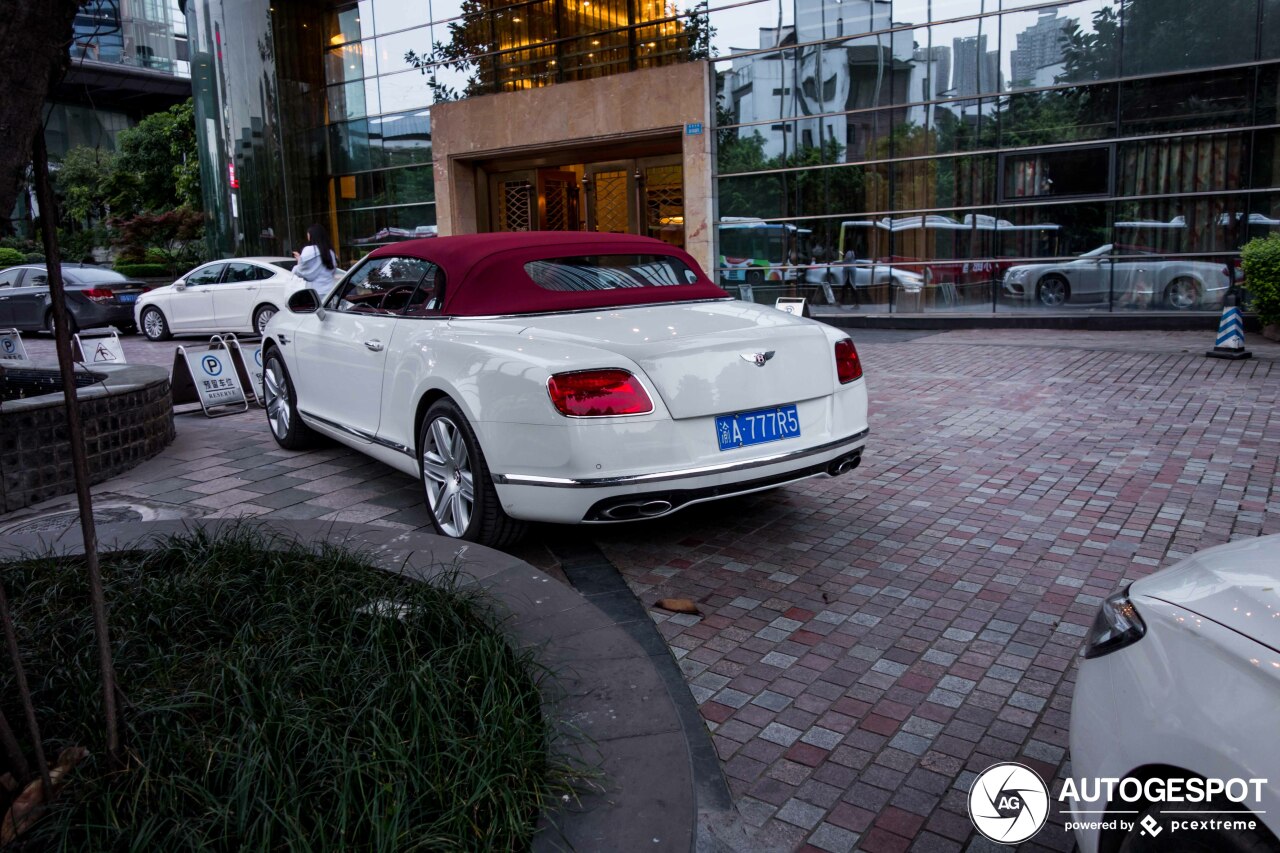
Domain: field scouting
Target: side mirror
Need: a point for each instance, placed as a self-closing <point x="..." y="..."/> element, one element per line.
<point x="180" y="284"/>
<point x="305" y="301"/>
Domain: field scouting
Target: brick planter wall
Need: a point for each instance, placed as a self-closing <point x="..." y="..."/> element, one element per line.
<point x="127" y="419"/>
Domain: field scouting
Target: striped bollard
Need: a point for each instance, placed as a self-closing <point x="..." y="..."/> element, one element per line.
<point x="1230" y="340"/>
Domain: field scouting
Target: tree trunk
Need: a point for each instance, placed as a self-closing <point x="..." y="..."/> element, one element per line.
<point x="75" y="435"/>
<point x="36" y="35"/>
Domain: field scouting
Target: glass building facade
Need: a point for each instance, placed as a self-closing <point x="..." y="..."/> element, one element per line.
<point x="903" y="155"/>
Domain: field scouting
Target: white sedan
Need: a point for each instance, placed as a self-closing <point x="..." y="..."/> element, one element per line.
<point x="235" y="295"/>
<point x="1179" y="689"/>
<point x="561" y="377"/>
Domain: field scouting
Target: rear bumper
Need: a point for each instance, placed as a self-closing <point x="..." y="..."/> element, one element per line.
<point x="89" y="314"/>
<point x="602" y="500"/>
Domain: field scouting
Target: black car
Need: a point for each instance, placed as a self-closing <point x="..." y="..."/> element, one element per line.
<point x="95" y="297"/>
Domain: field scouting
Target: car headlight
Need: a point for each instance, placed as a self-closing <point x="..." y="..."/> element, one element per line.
<point x="1016" y="275"/>
<point x="1117" y="625"/>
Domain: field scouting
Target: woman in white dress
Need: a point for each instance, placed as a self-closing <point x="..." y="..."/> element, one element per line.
<point x="317" y="262"/>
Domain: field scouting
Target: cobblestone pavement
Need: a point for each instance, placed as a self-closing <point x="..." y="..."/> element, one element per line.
<point x="868" y="644"/>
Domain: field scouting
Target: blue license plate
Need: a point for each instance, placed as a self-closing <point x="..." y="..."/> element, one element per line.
<point x="758" y="427"/>
<point x="127" y="298"/>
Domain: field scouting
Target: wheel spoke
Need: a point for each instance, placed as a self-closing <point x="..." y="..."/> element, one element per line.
<point x="440" y="432"/>
<point x="458" y="449"/>
<point x="434" y="468"/>
<point x="461" y="512"/>
<point x="467" y="487"/>
<point x="444" y="510"/>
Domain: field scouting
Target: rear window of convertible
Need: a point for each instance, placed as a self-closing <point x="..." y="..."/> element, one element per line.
<point x="609" y="272"/>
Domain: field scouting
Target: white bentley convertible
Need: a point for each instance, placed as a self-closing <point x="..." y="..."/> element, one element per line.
<point x="561" y="377"/>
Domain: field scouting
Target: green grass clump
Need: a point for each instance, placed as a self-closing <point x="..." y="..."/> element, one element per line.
<point x="273" y="700"/>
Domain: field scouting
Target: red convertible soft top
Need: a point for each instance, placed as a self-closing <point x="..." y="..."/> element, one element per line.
<point x="485" y="274"/>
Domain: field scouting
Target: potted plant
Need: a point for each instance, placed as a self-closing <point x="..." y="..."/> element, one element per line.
<point x="1261" y="262"/>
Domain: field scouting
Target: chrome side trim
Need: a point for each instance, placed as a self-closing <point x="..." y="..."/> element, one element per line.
<point x="663" y="476"/>
<point x="359" y="433"/>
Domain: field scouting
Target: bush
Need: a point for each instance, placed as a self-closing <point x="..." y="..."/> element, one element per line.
<point x="283" y="698"/>
<point x="1261" y="263"/>
<point x="11" y="257"/>
<point x="143" y="270"/>
<point x="34" y="258"/>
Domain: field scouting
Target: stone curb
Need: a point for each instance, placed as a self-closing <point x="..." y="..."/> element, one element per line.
<point x="611" y="691"/>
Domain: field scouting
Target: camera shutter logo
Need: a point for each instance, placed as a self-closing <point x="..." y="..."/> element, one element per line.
<point x="211" y="365"/>
<point x="1008" y="803"/>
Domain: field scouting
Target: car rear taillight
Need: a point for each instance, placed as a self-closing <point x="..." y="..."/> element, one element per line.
<point x="598" y="393"/>
<point x="848" y="367"/>
<point x="99" y="294"/>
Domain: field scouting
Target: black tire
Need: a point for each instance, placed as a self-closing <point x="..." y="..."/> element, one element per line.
<point x="755" y="277"/>
<point x="1182" y="294"/>
<point x="261" y="315"/>
<point x="281" y="401"/>
<point x="1199" y="841"/>
<point x="1053" y="291"/>
<point x="73" y="326"/>
<point x="154" y="326"/>
<point x="445" y="473"/>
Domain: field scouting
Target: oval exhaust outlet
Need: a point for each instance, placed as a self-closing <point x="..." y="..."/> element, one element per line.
<point x="653" y="508"/>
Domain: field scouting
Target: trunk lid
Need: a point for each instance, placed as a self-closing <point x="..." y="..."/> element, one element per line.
<point x="701" y="358"/>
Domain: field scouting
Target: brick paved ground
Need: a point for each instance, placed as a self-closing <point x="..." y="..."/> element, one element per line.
<point x="869" y="643"/>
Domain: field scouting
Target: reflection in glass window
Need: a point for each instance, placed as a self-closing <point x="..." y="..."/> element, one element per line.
<point x="1182" y="164"/>
<point x="403" y="91"/>
<point x="609" y="272"/>
<point x="1071" y="114"/>
<point x="1186" y="102"/>
<point x="348" y="23"/>
<point x="1069" y="172"/>
<point x="344" y="63"/>
<point x="1067" y="44"/>
<point x="405" y="137"/>
<point x="1162" y="36"/>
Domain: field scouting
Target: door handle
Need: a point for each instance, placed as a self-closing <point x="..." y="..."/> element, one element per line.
<point x="375" y="346"/>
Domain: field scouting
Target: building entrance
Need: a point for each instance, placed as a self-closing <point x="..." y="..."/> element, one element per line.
<point x="632" y="196"/>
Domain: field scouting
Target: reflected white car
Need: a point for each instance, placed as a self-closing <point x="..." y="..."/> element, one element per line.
<point x="864" y="274"/>
<point x="1135" y="276"/>
<point x="562" y="377"/>
<point x="1181" y="678"/>
<point x="235" y="295"/>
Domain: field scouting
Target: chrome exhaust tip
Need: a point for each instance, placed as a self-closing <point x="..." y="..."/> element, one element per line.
<point x="652" y="509"/>
<point x="845" y="465"/>
<point x="631" y="511"/>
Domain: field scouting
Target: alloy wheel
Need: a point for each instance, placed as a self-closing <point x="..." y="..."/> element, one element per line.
<point x="446" y="470"/>
<point x="153" y="325"/>
<point x="1182" y="294"/>
<point x="1053" y="292"/>
<point x="264" y="316"/>
<point x="277" y="393"/>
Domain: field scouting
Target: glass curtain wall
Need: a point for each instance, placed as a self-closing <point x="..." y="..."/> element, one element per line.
<point x="320" y="112"/>
<point x="386" y="62"/>
<point x="994" y="155"/>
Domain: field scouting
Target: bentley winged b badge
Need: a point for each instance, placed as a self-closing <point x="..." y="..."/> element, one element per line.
<point x="756" y="358"/>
